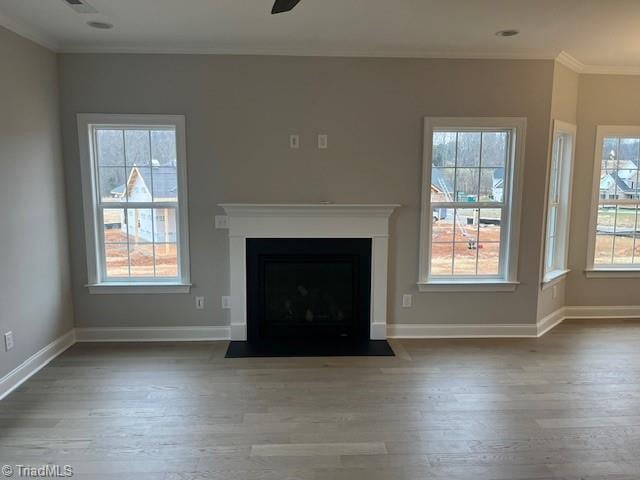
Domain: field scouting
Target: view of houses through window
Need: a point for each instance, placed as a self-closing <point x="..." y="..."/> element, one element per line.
<point x="137" y="177"/>
<point x="617" y="222"/>
<point x="467" y="198"/>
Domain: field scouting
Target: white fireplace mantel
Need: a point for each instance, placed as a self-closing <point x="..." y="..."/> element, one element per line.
<point x="250" y="220"/>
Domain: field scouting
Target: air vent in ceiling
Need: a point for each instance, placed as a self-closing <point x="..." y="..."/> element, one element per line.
<point x="80" y="6"/>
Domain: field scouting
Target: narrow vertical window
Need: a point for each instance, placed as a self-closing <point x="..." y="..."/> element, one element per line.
<point x="135" y="196"/>
<point x="559" y="201"/>
<point x="468" y="222"/>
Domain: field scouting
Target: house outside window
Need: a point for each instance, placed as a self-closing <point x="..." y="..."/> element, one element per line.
<point x="614" y="247"/>
<point x="559" y="201"/>
<point x="471" y="203"/>
<point x="134" y="189"/>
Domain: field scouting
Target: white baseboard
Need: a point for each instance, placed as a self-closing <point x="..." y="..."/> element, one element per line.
<point x="460" y="330"/>
<point x="552" y="320"/>
<point x="544" y="325"/>
<point x="152" y="334"/>
<point x="34" y="363"/>
<point x="617" y="311"/>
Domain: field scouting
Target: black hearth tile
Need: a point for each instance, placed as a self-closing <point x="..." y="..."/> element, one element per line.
<point x="310" y="348"/>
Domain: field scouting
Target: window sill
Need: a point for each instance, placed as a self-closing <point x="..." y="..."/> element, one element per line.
<point x="138" y="288"/>
<point x="612" y="273"/>
<point x="553" y="278"/>
<point x="468" y="286"/>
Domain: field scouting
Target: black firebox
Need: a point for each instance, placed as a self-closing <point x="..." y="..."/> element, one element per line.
<point x="308" y="296"/>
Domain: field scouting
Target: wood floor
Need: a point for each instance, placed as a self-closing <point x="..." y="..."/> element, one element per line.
<point x="563" y="406"/>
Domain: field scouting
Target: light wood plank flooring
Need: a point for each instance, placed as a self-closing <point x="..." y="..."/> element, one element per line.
<point x="564" y="406"/>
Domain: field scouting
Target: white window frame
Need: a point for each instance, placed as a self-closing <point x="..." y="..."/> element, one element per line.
<point x="90" y="191"/>
<point x="606" y="271"/>
<point x="510" y="232"/>
<point x="560" y="251"/>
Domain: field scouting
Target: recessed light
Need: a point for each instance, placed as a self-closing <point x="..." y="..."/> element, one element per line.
<point x="100" y="25"/>
<point x="507" y="33"/>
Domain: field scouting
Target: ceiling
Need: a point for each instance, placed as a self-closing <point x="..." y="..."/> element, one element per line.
<point x="592" y="35"/>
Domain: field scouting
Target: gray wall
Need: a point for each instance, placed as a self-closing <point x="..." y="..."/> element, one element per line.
<point x="240" y="111"/>
<point x="564" y="105"/>
<point x="602" y="100"/>
<point x="35" y="298"/>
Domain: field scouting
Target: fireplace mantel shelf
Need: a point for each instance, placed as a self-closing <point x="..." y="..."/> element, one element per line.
<point x="319" y="209"/>
<point x="319" y="220"/>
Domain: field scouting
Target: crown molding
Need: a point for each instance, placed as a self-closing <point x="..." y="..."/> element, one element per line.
<point x="610" y="70"/>
<point x="570" y="62"/>
<point x="29" y="33"/>
<point x="207" y="49"/>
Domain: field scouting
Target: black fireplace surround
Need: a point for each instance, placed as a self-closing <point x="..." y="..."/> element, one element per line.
<point x="308" y="296"/>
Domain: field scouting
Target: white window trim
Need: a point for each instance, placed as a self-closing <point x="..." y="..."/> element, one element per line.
<point x="605" y="271"/>
<point x="566" y="191"/>
<point x="510" y="248"/>
<point x="92" y="236"/>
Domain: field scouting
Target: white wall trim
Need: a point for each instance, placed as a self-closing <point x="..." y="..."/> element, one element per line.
<point x="153" y="334"/>
<point x="543" y="325"/>
<point x="616" y="311"/>
<point x="549" y="322"/>
<point x="610" y="70"/>
<point x="570" y="62"/>
<point x="405" y="330"/>
<point x="35" y="363"/>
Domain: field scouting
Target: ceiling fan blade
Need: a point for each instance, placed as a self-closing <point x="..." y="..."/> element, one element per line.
<point x="281" y="6"/>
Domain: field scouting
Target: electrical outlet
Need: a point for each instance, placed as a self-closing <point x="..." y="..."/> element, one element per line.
<point x="407" y="301"/>
<point x="8" y="341"/>
<point x="323" y="141"/>
<point x="222" y="221"/>
<point x="294" y="141"/>
<point x="199" y="303"/>
<point x="226" y="302"/>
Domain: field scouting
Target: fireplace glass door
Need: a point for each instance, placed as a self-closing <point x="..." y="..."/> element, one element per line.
<point x="308" y="288"/>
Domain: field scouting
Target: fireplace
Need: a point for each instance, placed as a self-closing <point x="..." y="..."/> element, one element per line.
<point x="310" y="288"/>
<point x="308" y="279"/>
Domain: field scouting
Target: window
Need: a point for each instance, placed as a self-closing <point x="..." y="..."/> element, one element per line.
<point x="614" y="246"/>
<point x="134" y="188"/>
<point x="471" y="198"/>
<point x="559" y="201"/>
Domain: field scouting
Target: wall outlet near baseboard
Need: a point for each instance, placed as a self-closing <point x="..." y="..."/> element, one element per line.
<point x="8" y="341"/>
<point x="226" y="302"/>
<point x="407" y="301"/>
<point x="199" y="303"/>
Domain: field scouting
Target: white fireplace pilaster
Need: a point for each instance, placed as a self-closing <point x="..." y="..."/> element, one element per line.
<point x="308" y="221"/>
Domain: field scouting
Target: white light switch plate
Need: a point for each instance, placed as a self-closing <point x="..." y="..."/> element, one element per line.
<point x="222" y="221"/>
<point x="294" y="141"/>
<point x="323" y="141"/>
<point x="8" y="341"/>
